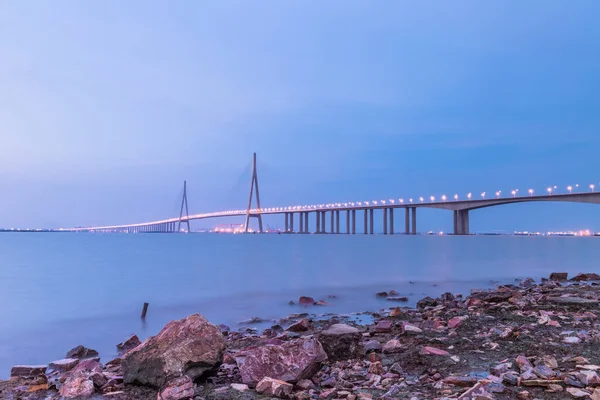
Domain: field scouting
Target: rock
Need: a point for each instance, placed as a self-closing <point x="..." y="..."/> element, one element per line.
<point x="427" y="350"/>
<point x="64" y="365"/>
<point x="300" y="326"/>
<point x="290" y="362"/>
<point x="371" y="345"/>
<point x="306" y="300"/>
<point x="398" y="298"/>
<point x="571" y="300"/>
<point x="77" y="387"/>
<point x="559" y="276"/>
<point x="396" y="312"/>
<point x="426" y="302"/>
<point x="382" y="294"/>
<point x="447" y="297"/>
<point x="527" y="283"/>
<point x="523" y="363"/>
<point x="589" y="378"/>
<point x="274" y="387"/>
<point x="477" y="392"/>
<point x="578" y="393"/>
<point x="28" y="371"/>
<point x="586" y="277"/>
<point x="464" y="381"/>
<point x="456" y="321"/>
<point x="383" y="326"/>
<point x="374" y="357"/>
<point x="544" y="372"/>
<point x="341" y="342"/>
<point x="181" y="388"/>
<point x="81" y="353"/>
<point x="305" y="384"/>
<point x="571" y="340"/>
<point x="376" y="368"/>
<point x="392" y="346"/>
<point x="130" y="343"/>
<point x="408" y="328"/>
<point x="240" y="387"/>
<point x="191" y="346"/>
<point x="98" y="379"/>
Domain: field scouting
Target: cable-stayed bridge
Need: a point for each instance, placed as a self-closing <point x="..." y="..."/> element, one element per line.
<point x="327" y="217"/>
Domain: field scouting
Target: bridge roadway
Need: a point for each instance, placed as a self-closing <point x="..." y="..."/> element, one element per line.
<point x="460" y="210"/>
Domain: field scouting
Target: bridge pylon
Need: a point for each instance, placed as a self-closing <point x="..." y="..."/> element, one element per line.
<point x="249" y="213"/>
<point x="184" y="202"/>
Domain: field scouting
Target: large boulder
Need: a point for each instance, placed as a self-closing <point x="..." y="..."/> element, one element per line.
<point x="341" y="342"/>
<point x="77" y="387"/>
<point x="289" y="362"/>
<point x="191" y="346"/>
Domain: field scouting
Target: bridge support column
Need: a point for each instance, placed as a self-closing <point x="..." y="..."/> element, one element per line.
<point x="366" y="211"/>
<point x="317" y="222"/>
<point x="371" y="225"/>
<point x="385" y="221"/>
<point x="337" y="221"/>
<point x="331" y="217"/>
<point x="391" y="221"/>
<point x="461" y="222"/>
<point x="306" y="222"/>
<point x="353" y="222"/>
<point x="323" y="224"/>
<point x="301" y="216"/>
<point x="287" y="222"/>
<point x="291" y="222"/>
<point x="347" y="222"/>
<point x="414" y="220"/>
<point x="407" y="221"/>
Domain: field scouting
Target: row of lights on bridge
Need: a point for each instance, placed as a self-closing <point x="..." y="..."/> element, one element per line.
<point x="514" y="193"/>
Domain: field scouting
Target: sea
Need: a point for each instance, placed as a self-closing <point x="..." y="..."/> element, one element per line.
<point x="60" y="290"/>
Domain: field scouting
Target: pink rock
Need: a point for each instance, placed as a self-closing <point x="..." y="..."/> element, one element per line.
<point x="523" y="363"/>
<point x="455" y="322"/>
<point x="130" y="343"/>
<point x="77" y="387"/>
<point x="300" y="326"/>
<point x="289" y="362"/>
<point x="306" y="300"/>
<point x="64" y="365"/>
<point x="190" y="346"/>
<point x="383" y="326"/>
<point x="427" y="350"/>
<point x="27" y="370"/>
<point x="177" y="389"/>
<point x="392" y="346"/>
<point x="274" y="387"/>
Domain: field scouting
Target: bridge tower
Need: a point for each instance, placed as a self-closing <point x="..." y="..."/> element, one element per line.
<point x="187" y="214"/>
<point x="253" y="184"/>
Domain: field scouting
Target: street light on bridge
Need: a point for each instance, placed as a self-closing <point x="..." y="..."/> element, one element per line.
<point x="498" y="193"/>
<point x="570" y="189"/>
<point x="549" y="191"/>
<point x="469" y="195"/>
<point x="531" y="192"/>
<point x="443" y="197"/>
<point x="422" y="199"/>
<point x="483" y="195"/>
<point x="514" y="193"/>
<point x="432" y="198"/>
<point x="592" y="187"/>
<point x="456" y="197"/>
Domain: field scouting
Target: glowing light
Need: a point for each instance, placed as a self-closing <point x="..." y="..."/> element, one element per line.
<point x="514" y="193"/>
<point x="549" y="191"/>
<point x="443" y="197"/>
<point x="592" y="187"/>
<point x="483" y="195"/>
<point x="469" y="195"/>
<point x="531" y="192"/>
<point x="456" y="197"/>
<point x="432" y="198"/>
<point x="421" y="199"/>
<point x="570" y="189"/>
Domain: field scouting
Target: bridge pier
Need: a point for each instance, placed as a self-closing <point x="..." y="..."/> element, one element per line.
<point x="371" y="225"/>
<point x="306" y="230"/>
<point x="461" y="222"/>
<point x="391" y="221"/>
<point x="317" y="222"/>
<point x="347" y="222"/>
<point x="353" y="222"/>
<point x="286" y="224"/>
<point x="323" y="224"/>
<point x="414" y="220"/>
<point x="331" y="227"/>
<point x="291" y="222"/>
<point x="366" y="211"/>
<point x="407" y="221"/>
<point x="337" y="221"/>
<point x="301" y="217"/>
<point x="385" y="221"/>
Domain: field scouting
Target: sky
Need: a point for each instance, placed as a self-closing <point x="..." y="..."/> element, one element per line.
<point x="107" y="106"/>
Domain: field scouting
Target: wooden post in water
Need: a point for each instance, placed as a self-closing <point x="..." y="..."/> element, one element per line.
<point x="144" y="310"/>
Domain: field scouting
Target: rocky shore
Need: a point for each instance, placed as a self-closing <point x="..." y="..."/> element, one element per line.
<point x="530" y="340"/>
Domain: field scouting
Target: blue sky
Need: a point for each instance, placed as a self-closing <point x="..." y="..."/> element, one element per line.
<point x="106" y="107"/>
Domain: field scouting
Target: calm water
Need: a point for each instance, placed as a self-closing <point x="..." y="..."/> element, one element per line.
<point x="61" y="290"/>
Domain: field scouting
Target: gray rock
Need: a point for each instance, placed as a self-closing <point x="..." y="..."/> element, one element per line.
<point x="341" y="342"/>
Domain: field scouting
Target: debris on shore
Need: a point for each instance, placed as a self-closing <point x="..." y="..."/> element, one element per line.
<point x="524" y="341"/>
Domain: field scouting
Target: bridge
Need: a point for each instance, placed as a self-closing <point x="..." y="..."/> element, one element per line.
<point x="334" y="212"/>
